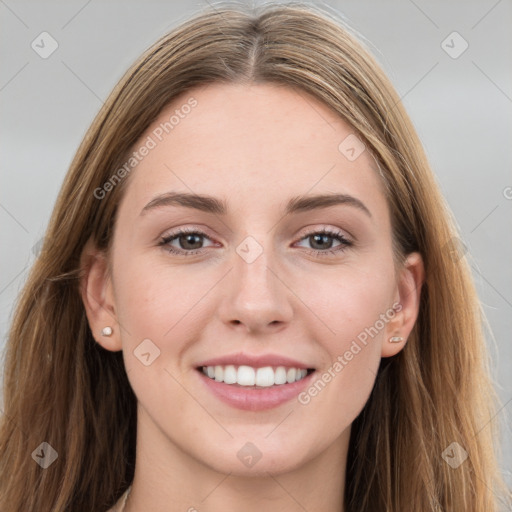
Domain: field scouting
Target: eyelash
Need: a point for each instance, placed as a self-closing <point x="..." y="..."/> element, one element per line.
<point x="344" y="243"/>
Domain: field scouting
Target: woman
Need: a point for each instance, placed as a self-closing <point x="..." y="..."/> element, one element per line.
<point x="317" y="346"/>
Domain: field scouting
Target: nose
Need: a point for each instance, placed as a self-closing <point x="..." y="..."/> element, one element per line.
<point x="257" y="298"/>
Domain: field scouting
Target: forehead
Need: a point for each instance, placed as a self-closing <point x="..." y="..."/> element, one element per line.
<point x="253" y="145"/>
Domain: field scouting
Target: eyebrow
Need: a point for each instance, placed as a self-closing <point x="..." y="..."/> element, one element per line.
<point x="216" y="206"/>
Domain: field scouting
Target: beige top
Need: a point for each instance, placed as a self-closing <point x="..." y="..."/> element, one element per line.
<point x="119" y="506"/>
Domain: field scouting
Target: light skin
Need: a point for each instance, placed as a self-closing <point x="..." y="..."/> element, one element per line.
<point x="254" y="147"/>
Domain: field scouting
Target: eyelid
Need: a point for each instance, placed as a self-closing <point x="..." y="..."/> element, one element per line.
<point x="171" y="232"/>
<point x="310" y="230"/>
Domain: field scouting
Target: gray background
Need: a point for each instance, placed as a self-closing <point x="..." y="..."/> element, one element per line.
<point x="461" y="107"/>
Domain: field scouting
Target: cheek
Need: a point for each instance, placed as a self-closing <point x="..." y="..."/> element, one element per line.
<point x="152" y="298"/>
<point x="155" y="308"/>
<point x="350" y="301"/>
<point x="357" y="308"/>
<point x="358" y="316"/>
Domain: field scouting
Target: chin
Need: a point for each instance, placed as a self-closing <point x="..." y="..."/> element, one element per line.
<point x="254" y="456"/>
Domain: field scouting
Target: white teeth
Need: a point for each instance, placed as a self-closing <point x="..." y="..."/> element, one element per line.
<point x="265" y="376"/>
<point x="248" y="376"/>
<point x="280" y="375"/>
<point x="300" y="374"/>
<point x="230" y="374"/>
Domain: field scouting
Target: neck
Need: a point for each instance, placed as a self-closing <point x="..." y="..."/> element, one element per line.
<point x="164" y="476"/>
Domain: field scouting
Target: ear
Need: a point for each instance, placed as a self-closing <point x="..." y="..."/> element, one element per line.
<point x="98" y="297"/>
<point x="407" y="299"/>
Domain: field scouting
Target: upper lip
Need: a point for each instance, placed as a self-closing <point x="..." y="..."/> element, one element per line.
<point x="256" y="361"/>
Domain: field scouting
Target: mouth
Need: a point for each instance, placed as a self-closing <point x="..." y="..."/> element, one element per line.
<point x="254" y="383"/>
<point x="255" y="377"/>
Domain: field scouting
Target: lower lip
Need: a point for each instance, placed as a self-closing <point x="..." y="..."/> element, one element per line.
<point x="255" y="399"/>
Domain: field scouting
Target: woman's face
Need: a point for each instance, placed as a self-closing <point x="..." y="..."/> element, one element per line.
<point x="254" y="284"/>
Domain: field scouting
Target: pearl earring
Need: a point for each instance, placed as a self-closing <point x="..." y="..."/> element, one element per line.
<point x="106" y="331"/>
<point x="395" y="339"/>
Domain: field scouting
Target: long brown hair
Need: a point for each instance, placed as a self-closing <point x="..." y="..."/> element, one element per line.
<point x="62" y="388"/>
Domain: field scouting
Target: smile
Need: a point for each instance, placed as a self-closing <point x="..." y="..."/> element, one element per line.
<point x="254" y="382"/>
<point x="249" y="376"/>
